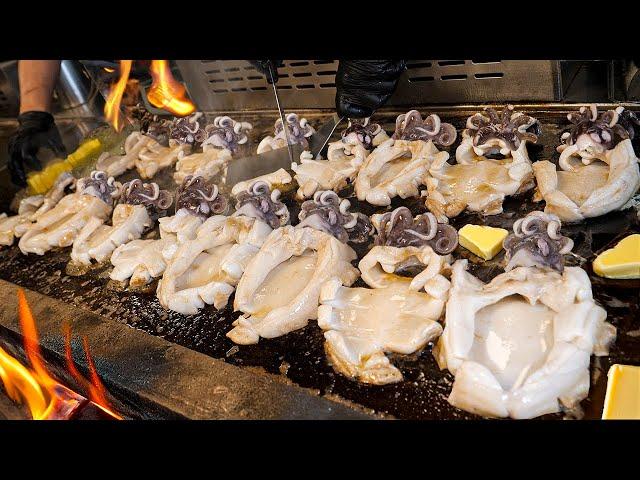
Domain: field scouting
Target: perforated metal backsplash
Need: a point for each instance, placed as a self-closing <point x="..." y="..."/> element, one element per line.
<point x="233" y="85"/>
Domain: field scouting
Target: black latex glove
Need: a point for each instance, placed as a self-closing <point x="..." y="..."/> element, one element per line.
<point x="363" y="86"/>
<point x="263" y="67"/>
<point x="36" y="130"/>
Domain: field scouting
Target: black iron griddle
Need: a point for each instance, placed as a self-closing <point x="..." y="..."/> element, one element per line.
<point x="300" y="357"/>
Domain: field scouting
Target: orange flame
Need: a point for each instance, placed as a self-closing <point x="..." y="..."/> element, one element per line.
<point x="166" y="92"/>
<point x="95" y="388"/>
<point x="45" y="397"/>
<point x="112" y="106"/>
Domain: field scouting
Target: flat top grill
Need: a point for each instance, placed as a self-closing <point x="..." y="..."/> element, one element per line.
<point x="299" y="356"/>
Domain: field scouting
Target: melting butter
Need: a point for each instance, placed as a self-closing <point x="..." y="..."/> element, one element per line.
<point x="622" y="261"/>
<point x="622" y="401"/>
<point x="485" y="242"/>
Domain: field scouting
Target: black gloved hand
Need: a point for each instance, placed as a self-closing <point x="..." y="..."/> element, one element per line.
<point x="363" y="86"/>
<point x="263" y="67"/>
<point x="36" y="130"/>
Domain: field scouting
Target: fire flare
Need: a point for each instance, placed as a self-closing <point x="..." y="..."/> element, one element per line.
<point x="46" y="398"/>
<point x="166" y="92"/>
<point x="94" y="387"/>
<point x="112" y="106"/>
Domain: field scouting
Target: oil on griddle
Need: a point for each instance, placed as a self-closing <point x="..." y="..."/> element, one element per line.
<point x="300" y="355"/>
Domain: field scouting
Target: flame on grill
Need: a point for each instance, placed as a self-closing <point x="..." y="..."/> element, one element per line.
<point x="112" y="106"/>
<point x="166" y="92"/>
<point x="94" y="387"/>
<point x="46" y="398"/>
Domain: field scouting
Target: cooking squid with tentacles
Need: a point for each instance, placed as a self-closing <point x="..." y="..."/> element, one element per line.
<point x="147" y="152"/>
<point x="206" y="270"/>
<point x="495" y="133"/>
<point x="536" y="241"/>
<point x="344" y="159"/>
<point x="520" y="345"/>
<point x="60" y="226"/>
<point x="221" y="140"/>
<point x="311" y="252"/>
<point x="492" y="162"/>
<point x="298" y="131"/>
<point x="330" y="214"/>
<point x="411" y="127"/>
<point x="598" y="168"/>
<point x="280" y="180"/>
<point x="33" y="207"/>
<point x="142" y="260"/>
<point x="396" y="313"/>
<point x="189" y="130"/>
<point x="398" y="165"/>
<point x="139" y="206"/>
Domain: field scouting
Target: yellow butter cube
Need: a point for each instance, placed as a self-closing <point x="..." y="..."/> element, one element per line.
<point x="622" y="261"/>
<point x="622" y="401"/>
<point x="485" y="242"/>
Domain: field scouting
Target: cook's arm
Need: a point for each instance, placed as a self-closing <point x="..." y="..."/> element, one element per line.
<point x="36" y="128"/>
<point x="37" y="81"/>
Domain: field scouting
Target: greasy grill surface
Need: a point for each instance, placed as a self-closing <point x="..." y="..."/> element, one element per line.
<point x="300" y="355"/>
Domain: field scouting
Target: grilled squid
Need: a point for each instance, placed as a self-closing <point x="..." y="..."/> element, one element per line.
<point x="298" y="130"/>
<point x="139" y="206"/>
<point x="227" y="133"/>
<point x="330" y="214"/>
<point x="32" y="208"/>
<point x="598" y="167"/>
<point x="60" y="226"/>
<point x="221" y="141"/>
<point x="144" y="153"/>
<point x="116" y="165"/>
<point x="311" y="253"/>
<point x="344" y="159"/>
<point x="280" y="179"/>
<point x="536" y="242"/>
<point x="520" y="345"/>
<point x="492" y="163"/>
<point x="141" y="261"/>
<point x="397" y="166"/>
<point x="398" y="313"/>
<point x="206" y="270"/>
<point x="189" y="130"/>
<point x="151" y="125"/>
<point x="412" y="127"/>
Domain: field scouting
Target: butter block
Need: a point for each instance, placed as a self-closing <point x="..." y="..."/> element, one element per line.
<point x="622" y="401"/>
<point x="485" y="242"/>
<point x="622" y="261"/>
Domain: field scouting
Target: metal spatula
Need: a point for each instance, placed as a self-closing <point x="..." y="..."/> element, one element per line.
<point x="255" y="165"/>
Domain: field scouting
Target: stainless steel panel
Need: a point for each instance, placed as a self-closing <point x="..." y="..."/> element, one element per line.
<point x="470" y="81"/>
<point x="235" y="85"/>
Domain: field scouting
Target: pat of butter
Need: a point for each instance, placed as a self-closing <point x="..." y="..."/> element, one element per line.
<point x="622" y="261"/>
<point x="622" y="401"/>
<point x="484" y="241"/>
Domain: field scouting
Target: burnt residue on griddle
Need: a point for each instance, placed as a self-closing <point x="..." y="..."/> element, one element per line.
<point x="423" y="392"/>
